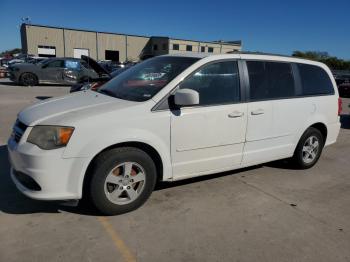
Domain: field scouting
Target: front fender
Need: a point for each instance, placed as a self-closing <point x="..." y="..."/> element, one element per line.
<point x="90" y="149"/>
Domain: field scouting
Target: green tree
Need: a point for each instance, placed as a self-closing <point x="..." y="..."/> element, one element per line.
<point x="11" y="51"/>
<point x="333" y="62"/>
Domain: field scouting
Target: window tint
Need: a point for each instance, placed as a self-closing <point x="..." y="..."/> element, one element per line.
<point x="175" y="46"/>
<point x="314" y="80"/>
<point x="270" y="80"/>
<point x="210" y="49"/>
<point x="202" y="49"/>
<point x="55" y="63"/>
<point x="188" y="48"/>
<point x="155" y="47"/>
<point x="216" y="83"/>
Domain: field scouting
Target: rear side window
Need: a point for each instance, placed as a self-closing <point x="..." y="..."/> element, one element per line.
<point x="216" y="83"/>
<point x="55" y="64"/>
<point x="314" y="80"/>
<point x="71" y="64"/>
<point x="270" y="80"/>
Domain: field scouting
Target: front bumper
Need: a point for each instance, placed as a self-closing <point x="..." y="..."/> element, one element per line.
<point x="59" y="178"/>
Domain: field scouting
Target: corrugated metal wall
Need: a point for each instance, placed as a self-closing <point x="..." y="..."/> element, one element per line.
<point x="130" y="47"/>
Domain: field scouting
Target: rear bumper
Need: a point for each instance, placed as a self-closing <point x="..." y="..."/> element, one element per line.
<point x="332" y="133"/>
<point x="58" y="178"/>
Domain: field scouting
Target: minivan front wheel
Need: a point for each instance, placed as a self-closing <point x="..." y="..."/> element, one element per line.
<point x="309" y="148"/>
<point x="122" y="180"/>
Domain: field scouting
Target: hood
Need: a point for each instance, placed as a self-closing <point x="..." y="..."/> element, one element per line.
<point x="76" y="105"/>
<point x="94" y="65"/>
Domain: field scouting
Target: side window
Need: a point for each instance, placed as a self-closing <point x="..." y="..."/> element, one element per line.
<point x="270" y="80"/>
<point x="314" y="80"/>
<point x="55" y="64"/>
<point x="71" y="64"/>
<point x="216" y="83"/>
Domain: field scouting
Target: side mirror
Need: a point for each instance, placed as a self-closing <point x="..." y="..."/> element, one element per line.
<point x="186" y="97"/>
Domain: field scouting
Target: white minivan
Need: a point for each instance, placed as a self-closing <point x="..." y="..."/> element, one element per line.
<point x="173" y="117"/>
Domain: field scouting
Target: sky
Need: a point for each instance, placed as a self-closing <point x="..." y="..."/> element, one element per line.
<point x="267" y="26"/>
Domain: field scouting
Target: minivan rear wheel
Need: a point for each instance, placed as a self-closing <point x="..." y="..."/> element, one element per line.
<point x="122" y="180"/>
<point x="309" y="149"/>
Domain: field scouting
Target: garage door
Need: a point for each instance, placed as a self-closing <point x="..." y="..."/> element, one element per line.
<point x="46" y="51"/>
<point x="78" y="52"/>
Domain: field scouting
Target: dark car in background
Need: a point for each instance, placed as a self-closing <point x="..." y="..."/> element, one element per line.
<point x="95" y="84"/>
<point x="65" y="71"/>
<point x="344" y="89"/>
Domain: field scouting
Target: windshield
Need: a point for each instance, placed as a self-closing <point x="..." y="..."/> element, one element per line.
<point x="143" y="81"/>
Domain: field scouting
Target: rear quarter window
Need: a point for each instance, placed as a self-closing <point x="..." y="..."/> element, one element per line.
<point x="314" y="80"/>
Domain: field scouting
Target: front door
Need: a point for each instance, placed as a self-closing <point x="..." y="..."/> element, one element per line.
<point x="209" y="137"/>
<point x="52" y="72"/>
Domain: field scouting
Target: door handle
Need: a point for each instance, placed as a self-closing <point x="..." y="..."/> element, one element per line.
<point x="235" y="114"/>
<point x="257" y="112"/>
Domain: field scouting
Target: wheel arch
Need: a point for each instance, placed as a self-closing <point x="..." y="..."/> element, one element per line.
<point x="150" y="150"/>
<point x="322" y="128"/>
<point x="21" y="75"/>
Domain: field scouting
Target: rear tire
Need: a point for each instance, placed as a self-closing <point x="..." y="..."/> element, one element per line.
<point x="309" y="149"/>
<point x="122" y="180"/>
<point x="29" y="79"/>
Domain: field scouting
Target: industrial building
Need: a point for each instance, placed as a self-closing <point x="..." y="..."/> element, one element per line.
<point x="48" y="41"/>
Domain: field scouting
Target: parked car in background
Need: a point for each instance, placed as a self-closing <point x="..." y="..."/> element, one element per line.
<point x="95" y="84"/>
<point x="170" y="118"/>
<point x="341" y="76"/>
<point x="344" y="89"/>
<point x="65" y="71"/>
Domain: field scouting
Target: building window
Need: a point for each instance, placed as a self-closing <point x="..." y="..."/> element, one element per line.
<point x="112" y="55"/>
<point x="202" y="49"/>
<point x="176" y="47"/>
<point x="46" y="51"/>
<point x="210" y="49"/>
<point x="155" y="47"/>
<point x="188" y="48"/>
<point x="164" y="46"/>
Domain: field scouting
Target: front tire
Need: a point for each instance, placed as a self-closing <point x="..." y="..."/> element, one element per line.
<point x="122" y="180"/>
<point x="309" y="149"/>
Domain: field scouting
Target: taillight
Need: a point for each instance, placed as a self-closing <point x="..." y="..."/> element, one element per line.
<point x="340" y="106"/>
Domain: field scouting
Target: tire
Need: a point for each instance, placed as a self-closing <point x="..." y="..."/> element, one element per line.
<point x="116" y="185"/>
<point x="29" y="79"/>
<point x="306" y="153"/>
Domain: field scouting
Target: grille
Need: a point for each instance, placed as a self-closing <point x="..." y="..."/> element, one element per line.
<point x="18" y="130"/>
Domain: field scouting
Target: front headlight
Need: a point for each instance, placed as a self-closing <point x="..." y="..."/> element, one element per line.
<point x="50" y="137"/>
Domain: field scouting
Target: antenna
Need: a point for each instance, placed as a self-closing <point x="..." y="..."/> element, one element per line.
<point x="26" y="20"/>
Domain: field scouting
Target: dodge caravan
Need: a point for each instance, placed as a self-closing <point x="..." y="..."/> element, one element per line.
<point x="173" y="117"/>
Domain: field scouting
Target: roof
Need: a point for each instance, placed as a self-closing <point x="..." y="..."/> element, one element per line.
<point x="239" y="42"/>
<point x="251" y="55"/>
